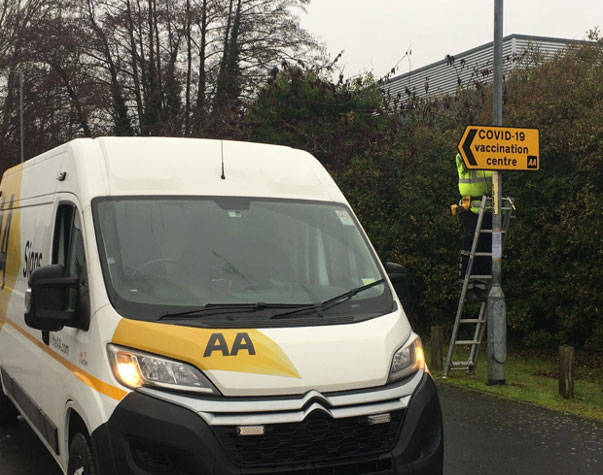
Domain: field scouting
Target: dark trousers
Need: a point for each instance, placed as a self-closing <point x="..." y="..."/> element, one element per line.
<point x="482" y="265"/>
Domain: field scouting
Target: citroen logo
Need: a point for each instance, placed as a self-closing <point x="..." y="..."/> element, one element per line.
<point x="315" y="401"/>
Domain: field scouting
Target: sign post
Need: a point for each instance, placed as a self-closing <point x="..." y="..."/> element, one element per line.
<point x="497" y="310"/>
<point x="498" y="148"/>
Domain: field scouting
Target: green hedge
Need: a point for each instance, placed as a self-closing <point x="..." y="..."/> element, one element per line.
<point x="394" y="160"/>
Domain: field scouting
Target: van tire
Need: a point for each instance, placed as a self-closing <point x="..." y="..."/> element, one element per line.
<point x="8" y="411"/>
<point x="81" y="458"/>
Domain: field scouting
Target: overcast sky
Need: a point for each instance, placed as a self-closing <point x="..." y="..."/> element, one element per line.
<point x="376" y="34"/>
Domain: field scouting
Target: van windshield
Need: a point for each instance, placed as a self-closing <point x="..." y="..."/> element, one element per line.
<point x="162" y="256"/>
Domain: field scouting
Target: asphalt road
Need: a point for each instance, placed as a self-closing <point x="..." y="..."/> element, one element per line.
<point x="484" y="435"/>
<point x="487" y="435"/>
<point x="22" y="453"/>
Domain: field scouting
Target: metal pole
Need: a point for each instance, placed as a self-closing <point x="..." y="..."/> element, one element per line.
<point x="21" y="113"/>
<point x="497" y="312"/>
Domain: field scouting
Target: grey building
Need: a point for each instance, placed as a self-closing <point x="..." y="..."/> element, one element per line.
<point x="469" y="67"/>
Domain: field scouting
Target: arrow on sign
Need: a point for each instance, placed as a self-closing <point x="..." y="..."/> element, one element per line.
<point x="467" y="147"/>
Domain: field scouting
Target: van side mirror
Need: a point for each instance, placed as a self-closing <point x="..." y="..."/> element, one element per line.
<point x="52" y="299"/>
<point x="399" y="279"/>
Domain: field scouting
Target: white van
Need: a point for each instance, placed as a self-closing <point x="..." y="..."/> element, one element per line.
<point x="188" y="306"/>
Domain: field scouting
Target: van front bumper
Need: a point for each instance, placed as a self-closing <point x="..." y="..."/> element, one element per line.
<point x="149" y="436"/>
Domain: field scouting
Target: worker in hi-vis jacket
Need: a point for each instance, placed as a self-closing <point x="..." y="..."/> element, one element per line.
<point x="473" y="184"/>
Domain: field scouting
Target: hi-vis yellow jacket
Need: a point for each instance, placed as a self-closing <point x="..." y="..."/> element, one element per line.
<point x="474" y="183"/>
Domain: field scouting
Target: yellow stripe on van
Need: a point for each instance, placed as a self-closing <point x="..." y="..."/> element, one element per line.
<point x="239" y="350"/>
<point x="10" y="251"/>
<point x="91" y="381"/>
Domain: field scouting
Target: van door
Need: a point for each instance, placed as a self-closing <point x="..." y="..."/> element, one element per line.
<point x="25" y="240"/>
<point x="64" y="346"/>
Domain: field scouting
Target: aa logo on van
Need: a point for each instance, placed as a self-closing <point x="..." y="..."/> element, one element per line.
<point x="10" y="234"/>
<point x="244" y="351"/>
<point x="217" y="342"/>
<point x="5" y="233"/>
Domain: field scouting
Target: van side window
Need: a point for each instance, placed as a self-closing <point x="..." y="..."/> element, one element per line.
<point x="76" y="262"/>
<point x="68" y="249"/>
<point x="62" y="232"/>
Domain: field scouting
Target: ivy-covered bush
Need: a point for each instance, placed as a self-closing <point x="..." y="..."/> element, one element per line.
<point x="394" y="160"/>
<point x="555" y="262"/>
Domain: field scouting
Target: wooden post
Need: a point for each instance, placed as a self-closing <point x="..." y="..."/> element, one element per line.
<point x="566" y="371"/>
<point x="437" y="339"/>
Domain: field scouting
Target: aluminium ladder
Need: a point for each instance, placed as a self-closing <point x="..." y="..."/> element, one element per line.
<point x="508" y="212"/>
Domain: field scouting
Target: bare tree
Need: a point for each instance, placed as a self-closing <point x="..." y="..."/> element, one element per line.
<point x="15" y="19"/>
<point x="123" y="125"/>
<point x="147" y="67"/>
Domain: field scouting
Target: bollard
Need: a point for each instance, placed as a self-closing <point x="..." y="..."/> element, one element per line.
<point x="566" y="371"/>
<point x="437" y="339"/>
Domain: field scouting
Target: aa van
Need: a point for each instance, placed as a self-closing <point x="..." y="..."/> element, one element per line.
<point x="188" y="306"/>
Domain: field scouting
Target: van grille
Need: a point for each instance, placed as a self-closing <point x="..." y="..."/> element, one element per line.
<point x="318" y="438"/>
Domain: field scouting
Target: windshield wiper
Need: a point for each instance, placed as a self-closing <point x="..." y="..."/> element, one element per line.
<point x="219" y="308"/>
<point x="319" y="307"/>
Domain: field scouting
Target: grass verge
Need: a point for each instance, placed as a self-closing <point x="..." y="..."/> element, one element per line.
<point x="533" y="380"/>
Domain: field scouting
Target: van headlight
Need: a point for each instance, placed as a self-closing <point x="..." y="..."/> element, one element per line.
<point x="136" y="369"/>
<point x="407" y="360"/>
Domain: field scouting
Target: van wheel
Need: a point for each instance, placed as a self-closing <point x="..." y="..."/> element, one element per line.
<point x="81" y="459"/>
<point x="8" y="411"/>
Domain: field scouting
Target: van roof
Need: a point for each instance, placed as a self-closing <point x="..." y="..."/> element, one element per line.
<point x="126" y="166"/>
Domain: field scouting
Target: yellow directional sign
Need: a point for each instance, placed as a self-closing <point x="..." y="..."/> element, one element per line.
<point x="500" y="148"/>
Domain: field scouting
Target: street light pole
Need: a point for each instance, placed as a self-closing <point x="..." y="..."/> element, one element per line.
<point x="21" y="127"/>
<point x="497" y="312"/>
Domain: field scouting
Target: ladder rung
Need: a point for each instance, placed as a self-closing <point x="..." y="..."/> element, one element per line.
<point x="507" y="210"/>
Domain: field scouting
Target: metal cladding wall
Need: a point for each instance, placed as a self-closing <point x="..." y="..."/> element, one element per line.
<point x="442" y="78"/>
